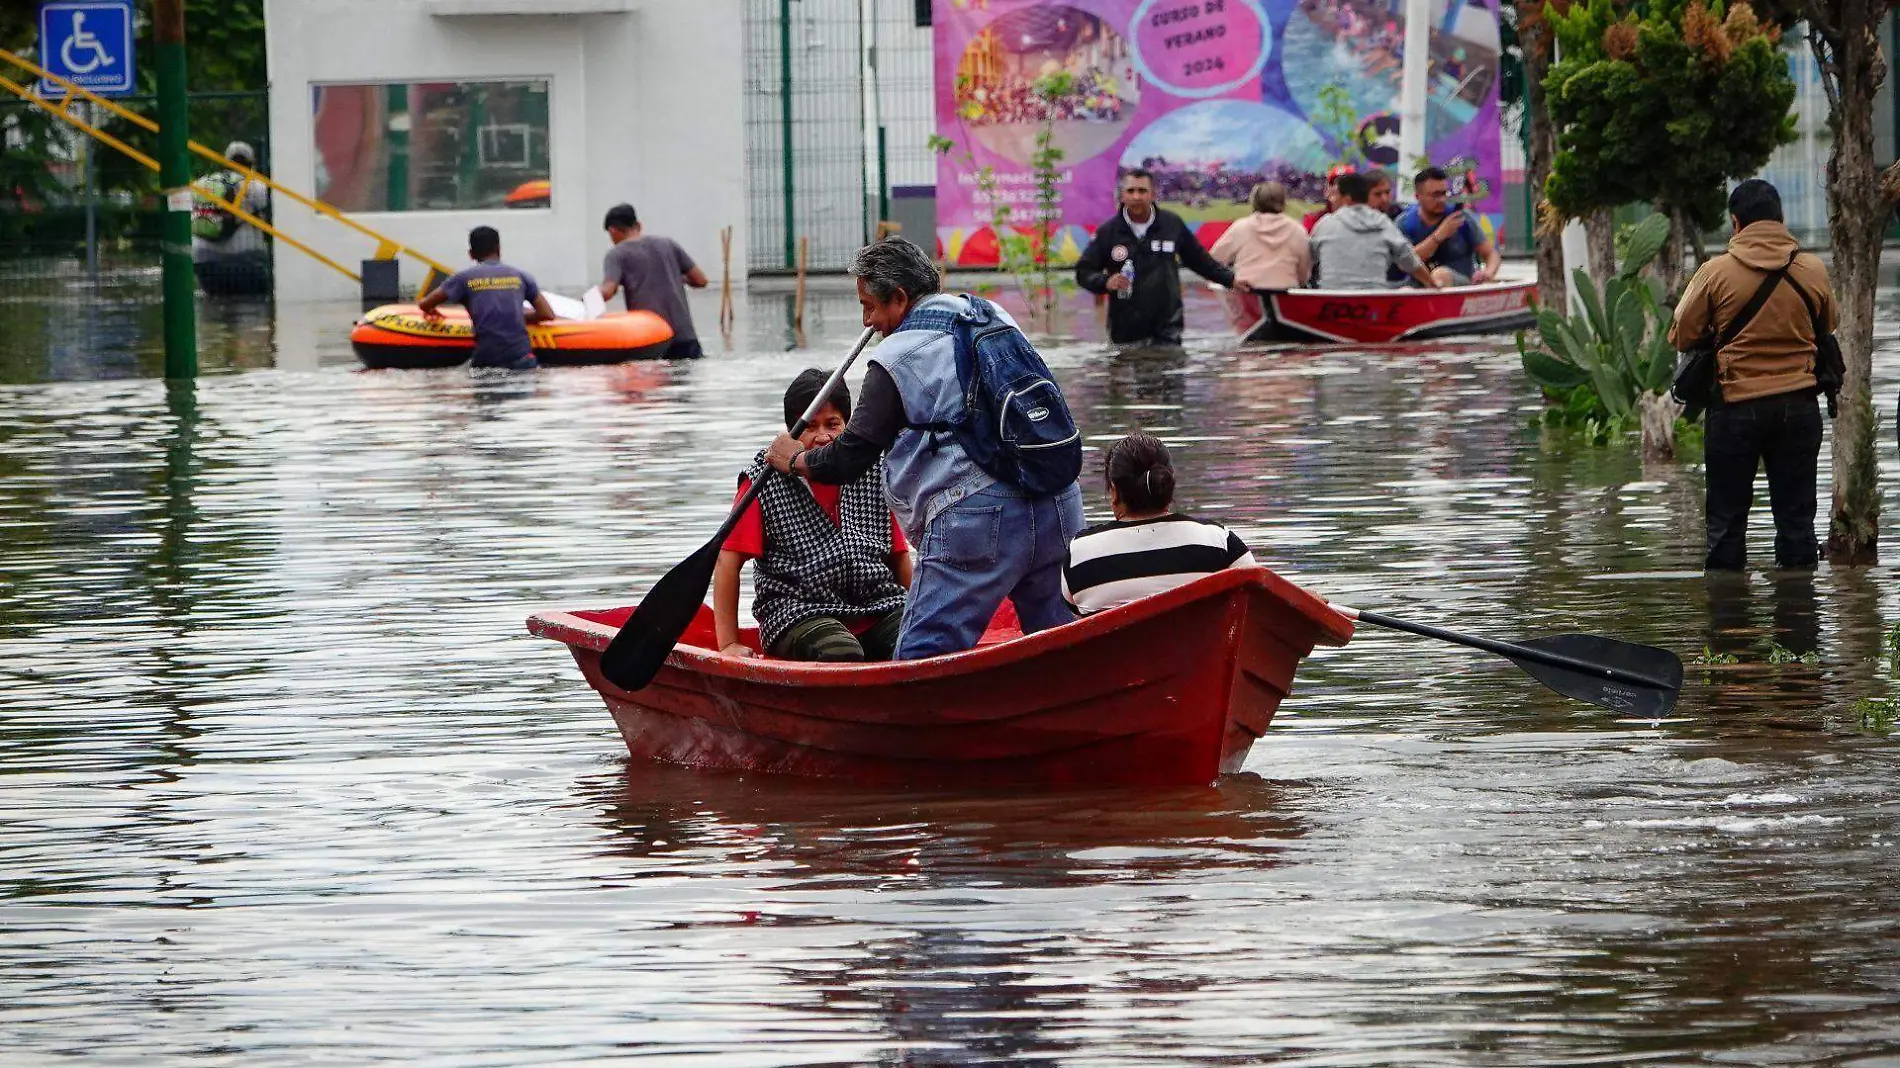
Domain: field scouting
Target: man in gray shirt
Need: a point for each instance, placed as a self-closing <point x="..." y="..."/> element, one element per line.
<point x="655" y="272"/>
<point x="1354" y="246"/>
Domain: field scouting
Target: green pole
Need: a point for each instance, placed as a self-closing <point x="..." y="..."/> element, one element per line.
<point x="785" y="123"/>
<point x="396" y="107"/>
<point x="883" y="178"/>
<point x="174" y="174"/>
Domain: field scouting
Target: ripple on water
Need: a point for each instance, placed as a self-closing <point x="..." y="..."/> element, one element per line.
<point x="286" y="781"/>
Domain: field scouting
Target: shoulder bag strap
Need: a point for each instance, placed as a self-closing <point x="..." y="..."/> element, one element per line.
<point x="1814" y="310"/>
<point x="1754" y="305"/>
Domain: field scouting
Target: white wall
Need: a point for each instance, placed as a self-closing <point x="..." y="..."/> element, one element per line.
<point x="645" y="106"/>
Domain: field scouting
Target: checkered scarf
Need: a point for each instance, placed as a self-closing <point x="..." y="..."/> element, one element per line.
<point x="812" y="568"/>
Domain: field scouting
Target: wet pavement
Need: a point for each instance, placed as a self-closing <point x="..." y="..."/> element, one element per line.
<point x="285" y="780"/>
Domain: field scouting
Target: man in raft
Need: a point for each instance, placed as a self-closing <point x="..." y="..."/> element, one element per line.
<point x="1137" y="256"/>
<point x="495" y="296"/>
<point x="654" y="271"/>
<point x="978" y="537"/>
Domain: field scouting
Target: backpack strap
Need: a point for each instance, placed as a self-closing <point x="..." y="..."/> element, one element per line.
<point x="1755" y="303"/>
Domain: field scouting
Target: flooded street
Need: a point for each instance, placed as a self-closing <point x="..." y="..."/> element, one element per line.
<point x="286" y="781"/>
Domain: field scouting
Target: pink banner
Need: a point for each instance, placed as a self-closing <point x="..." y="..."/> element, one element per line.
<point x="1210" y="95"/>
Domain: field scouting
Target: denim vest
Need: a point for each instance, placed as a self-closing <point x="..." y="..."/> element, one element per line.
<point x="925" y="473"/>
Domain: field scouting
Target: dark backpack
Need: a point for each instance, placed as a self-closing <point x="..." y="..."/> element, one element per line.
<point x="1015" y="424"/>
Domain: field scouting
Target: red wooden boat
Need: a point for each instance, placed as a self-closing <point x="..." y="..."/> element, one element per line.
<point x="1170" y="690"/>
<point x="1380" y="316"/>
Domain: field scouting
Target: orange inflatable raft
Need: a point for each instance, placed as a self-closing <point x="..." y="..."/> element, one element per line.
<point x="396" y="335"/>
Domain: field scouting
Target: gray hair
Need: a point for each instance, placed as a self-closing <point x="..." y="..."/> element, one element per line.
<point x="893" y="264"/>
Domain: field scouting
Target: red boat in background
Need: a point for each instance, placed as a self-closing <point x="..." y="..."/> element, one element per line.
<point x="1380" y="316"/>
<point x="1170" y="690"/>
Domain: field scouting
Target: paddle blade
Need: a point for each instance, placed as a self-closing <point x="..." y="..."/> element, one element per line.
<point x="1652" y="698"/>
<point x="649" y="634"/>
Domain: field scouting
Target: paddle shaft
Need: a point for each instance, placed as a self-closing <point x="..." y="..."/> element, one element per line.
<point x="811" y="412"/>
<point x="1508" y="650"/>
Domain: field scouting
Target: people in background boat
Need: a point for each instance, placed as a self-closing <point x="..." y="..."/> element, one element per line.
<point x="1379" y="194"/>
<point x="1266" y="249"/>
<point x="1445" y="235"/>
<point x="1354" y="247"/>
<point x="1147" y="549"/>
<point x="495" y="296"/>
<point x="1763" y="410"/>
<point x="653" y="273"/>
<point x="227" y="253"/>
<point x="978" y="539"/>
<point x="1136" y="257"/>
<point x="1333" y="201"/>
<point x="830" y="563"/>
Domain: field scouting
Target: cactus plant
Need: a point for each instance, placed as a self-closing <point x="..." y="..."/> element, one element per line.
<point x="1604" y="365"/>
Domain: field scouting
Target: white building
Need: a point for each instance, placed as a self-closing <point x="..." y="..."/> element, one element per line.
<point x="424" y="118"/>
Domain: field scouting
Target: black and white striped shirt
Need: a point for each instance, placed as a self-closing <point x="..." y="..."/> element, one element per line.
<point x="1121" y="561"/>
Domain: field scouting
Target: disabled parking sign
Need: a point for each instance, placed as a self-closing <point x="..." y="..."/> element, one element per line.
<point x="88" y="43"/>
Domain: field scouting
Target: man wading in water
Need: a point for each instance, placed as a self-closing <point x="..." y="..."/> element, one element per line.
<point x="1136" y="256"/>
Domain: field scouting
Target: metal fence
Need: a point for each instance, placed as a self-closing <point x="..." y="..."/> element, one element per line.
<point x="838" y="110"/>
<point x="64" y="196"/>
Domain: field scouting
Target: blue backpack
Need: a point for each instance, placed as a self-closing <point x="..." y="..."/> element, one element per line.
<point x="1015" y="424"/>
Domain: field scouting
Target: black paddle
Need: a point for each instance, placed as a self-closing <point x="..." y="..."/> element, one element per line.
<point x="1640" y="681"/>
<point x="649" y="634"/>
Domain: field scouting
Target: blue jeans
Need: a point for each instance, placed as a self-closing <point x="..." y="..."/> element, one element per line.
<point x="990" y="545"/>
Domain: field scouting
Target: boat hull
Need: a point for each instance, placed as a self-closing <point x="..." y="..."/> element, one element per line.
<point x="1380" y="316"/>
<point x="396" y="336"/>
<point x="1170" y="691"/>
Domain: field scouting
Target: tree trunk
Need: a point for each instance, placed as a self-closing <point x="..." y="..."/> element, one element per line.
<point x="1552" y="291"/>
<point x="1658" y="412"/>
<point x="1599" y="229"/>
<point x="1669" y="260"/>
<point x="1857" y="214"/>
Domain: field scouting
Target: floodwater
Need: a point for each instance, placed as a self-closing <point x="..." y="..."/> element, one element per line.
<point x="285" y="781"/>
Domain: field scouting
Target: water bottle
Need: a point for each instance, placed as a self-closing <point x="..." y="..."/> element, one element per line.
<point x="1128" y="272"/>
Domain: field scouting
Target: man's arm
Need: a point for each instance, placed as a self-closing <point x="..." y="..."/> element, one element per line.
<point x="610" y="275"/>
<point x="875" y="424"/>
<point x="1488" y="252"/>
<point x="542" y="311"/>
<point x="1406" y="258"/>
<point x="1192" y="253"/>
<point x="436" y="298"/>
<point x="1692" y="322"/>
<point x="1091" y="271"/>
<point x="697" y="278"/>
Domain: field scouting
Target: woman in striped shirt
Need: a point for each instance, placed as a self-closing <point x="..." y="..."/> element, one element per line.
<point x="1147" y="549"/>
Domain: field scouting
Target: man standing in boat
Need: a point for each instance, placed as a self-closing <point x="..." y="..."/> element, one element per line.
<point x="1450" y="241"/>
<point x="1136" y="258"/>
<point x="654" y="272"/>
<point x="978" y="537"/>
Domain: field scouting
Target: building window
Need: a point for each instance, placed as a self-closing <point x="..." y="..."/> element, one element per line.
<point x="432" y="146"/>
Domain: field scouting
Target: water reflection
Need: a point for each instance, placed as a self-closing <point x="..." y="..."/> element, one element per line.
<point x="286" y="781"/>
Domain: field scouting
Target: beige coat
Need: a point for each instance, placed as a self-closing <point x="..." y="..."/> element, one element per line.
<point x="1774" y="353"/>
<point x="1266" y="251"/>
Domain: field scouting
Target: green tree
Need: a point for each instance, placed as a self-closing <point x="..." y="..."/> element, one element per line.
<point x="1664" y="108"/>
<point x="1526" y="36"/>
<point x="1845" y="38"/>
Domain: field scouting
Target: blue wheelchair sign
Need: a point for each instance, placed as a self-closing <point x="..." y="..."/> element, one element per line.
<point x="88" y="43"/>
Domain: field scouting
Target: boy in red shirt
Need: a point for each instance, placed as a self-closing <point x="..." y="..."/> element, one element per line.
<point x="830" y="565"/>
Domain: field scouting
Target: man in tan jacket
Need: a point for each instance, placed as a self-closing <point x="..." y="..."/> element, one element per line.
<point x="1764" y="409"/>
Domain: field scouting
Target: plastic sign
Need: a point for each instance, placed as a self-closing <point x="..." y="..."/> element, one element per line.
<point x="88" y="43"/>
